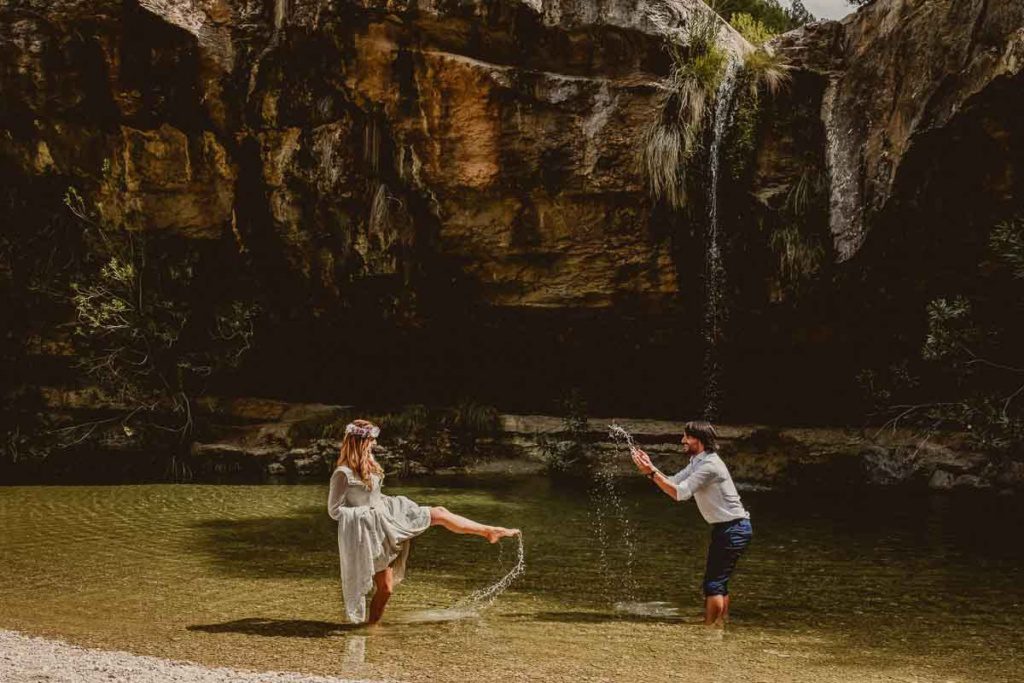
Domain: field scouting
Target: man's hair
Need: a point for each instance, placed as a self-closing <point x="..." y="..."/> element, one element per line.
<point x="704" y="432"/>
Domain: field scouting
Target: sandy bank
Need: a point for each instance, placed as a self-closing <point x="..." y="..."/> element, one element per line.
<point x="26" y="658"/>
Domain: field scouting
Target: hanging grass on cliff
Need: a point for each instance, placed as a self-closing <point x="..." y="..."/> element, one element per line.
<point x="763" y="67"/>
<point x="673" y="135"/>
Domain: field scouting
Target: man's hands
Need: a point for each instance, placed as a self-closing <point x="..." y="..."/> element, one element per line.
<point x="647" y="468"/>
<point x="642" y="461"/>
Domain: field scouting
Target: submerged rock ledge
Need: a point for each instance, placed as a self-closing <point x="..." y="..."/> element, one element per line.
<point x="28" y="658"/>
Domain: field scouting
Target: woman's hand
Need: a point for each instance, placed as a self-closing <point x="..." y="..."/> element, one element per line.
<point x="642" y="461"/>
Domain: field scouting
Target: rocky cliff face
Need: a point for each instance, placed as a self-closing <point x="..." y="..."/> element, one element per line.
<point x="503" y="132"/>
<point x="905" y="78"/>
<point x="878" y="177"/>
<point x="468" y="169"/>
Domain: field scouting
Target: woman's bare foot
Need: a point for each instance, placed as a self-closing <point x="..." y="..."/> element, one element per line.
<point x="496" y="533"/>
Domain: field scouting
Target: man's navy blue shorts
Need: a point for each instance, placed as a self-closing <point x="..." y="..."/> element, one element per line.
<point x="728" y="541"/>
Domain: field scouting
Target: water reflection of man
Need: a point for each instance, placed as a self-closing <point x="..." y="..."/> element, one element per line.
<point x="706" y="479"/>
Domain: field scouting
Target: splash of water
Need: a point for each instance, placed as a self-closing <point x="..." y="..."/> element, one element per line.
<point x="714" y="268"/>
<point x="608" y="514"/>
<point x="620" y="436"/>
<point x="485" y="597"/>
<point x="655" y="609"/>
<point x="473" y="604"/>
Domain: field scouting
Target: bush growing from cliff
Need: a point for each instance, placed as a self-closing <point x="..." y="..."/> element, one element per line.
<point x="671" y="139"/>
<point x="800" y="250"/>
<point x="42" y="247"/>
<point x="970" y="374"/>
<point x="753" y="30"/>
<point x="770" y="13"/>
<point x="763" y="67"/>
<point x="150" y="328"/>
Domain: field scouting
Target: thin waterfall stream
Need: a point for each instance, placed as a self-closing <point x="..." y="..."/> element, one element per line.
<point x="714" y="268"/>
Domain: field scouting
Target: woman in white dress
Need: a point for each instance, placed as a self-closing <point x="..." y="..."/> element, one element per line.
<point x="374" y="530"/>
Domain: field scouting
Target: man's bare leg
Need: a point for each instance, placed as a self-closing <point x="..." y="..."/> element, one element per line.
<point x="384" y="581"/>
<point x="725" y="609"/>
<point x="714" y="606"/>
<point x="458" y="524"/>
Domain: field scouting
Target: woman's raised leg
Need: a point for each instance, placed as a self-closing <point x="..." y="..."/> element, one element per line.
<point x="384" y="582"/>
<point x="458" y="524"/>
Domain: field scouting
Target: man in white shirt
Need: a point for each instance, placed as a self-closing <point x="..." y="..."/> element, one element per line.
<point x="706" y="479"/>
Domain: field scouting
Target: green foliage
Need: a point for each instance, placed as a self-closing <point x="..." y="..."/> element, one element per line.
<point x="766" y="70"/>
<point x="800" y="256"/>
<point x="742" y="142"/>
<point x="763" y="70"/>
<point x="140" y="340"/>
<point x="739" y="149"/>
<point x="39" y="246"/>
<point x="771" y="13"/>
<point x="432" y="437"/>
<point x="950" y="329"/>
<point x="754" y="30"/>
<point x="469" y="417"/>
<point x="671" y="139"/>
<point x="702" y="31"/>
<point x="799" y="14"/>
<point x="800" y="250"/>
<point x="147" y="334"/>
<point x="1007" y="242"/>
<point x="975" y="378"/>
<point x="881" y="387"/>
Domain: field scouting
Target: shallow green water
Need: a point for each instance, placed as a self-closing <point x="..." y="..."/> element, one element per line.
<point x="873" y="587"/>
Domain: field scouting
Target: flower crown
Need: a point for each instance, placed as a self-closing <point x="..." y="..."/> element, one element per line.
<point x="371" y="432"/>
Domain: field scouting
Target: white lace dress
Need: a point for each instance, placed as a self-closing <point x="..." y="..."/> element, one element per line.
<point x="374" y="532"/>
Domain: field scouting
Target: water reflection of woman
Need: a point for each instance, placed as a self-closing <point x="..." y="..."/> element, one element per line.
<point x="375" y="531"/>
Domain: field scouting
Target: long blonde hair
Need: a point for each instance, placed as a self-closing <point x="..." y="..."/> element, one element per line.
<point x="356" y="455"/>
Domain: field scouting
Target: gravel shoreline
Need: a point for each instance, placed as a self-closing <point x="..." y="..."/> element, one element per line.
<point x="39" y="660"/>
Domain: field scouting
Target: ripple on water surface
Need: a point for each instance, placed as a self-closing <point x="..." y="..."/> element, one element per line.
<point x="858" y="589"/>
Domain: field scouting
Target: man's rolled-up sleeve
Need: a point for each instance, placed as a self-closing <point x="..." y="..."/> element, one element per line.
<point x="692" y="481"/>
<point x="681" y="474"/>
